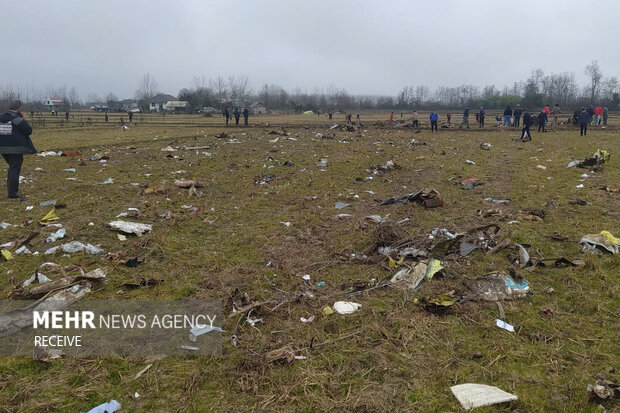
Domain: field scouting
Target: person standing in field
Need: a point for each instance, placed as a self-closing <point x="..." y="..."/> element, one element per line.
<point x="448" y="116"/>
<point x="517" y="115"/>
<point x="547" y="111"/>
<point x="357" y="116"/>
<point x="105" y="117"/>
<point x="227" y="115"/>
<point x="130" y="116"/>
<point x="527" y="122"/>
<point x="67" y="115"/>
<point x="584" y="119"/>
<point x="590" y="112"/>
<point x="556" y="114"/>
<point x="415" y="121"/>
<point x="465" y="118"/>
<point x="598" y="111"/>
<point x="330" y="114"/>
<point x="14" y="143"/>
<point x="605" y="114"/>
<point x="391" y="116"/>
<point x="246" y="113"/>
<point x="508" y="116"/>
<point x="498" y="120"/>
<point x="237" y="114"/>
<point x="434" y="117"/>
<point x="542" y="120"/>
<point x="481" y="116"/>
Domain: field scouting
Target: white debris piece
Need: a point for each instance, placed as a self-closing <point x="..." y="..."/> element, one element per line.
<point x="472" y="395"/>
<point x="55" y="236"/>
<point x="110" y="407"/>
<point x="346" y="307"/>
<point x="504" y="325"/>
<point x="131" y="227"/>
<point x="37" y="278"/>
<point x="200" y="330"/>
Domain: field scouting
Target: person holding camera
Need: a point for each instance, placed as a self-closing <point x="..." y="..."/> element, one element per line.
<point x="14" y="143"/>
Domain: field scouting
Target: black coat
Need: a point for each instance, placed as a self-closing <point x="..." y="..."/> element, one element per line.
<point x="517" y="112"/>
<point x="15" y="135"/>
<point x="508" y="112"/>
<point x="527" y="120"/>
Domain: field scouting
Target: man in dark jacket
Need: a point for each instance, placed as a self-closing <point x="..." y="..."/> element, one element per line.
<point x="508" y="116"/>
<point x="14" y="143"/>
<point x="542" y="119"/>
<point x="584" y="119"/>
<point x="526" y="135"/>
<point x="481" y="115"/>
<point x="517" y="115"/>
<point x="590" y="112"/>
<point x="465" y="118"/>
<point x="236" y="114"/>
<point x="226" y="115"/>
<point x="246" y="113"/>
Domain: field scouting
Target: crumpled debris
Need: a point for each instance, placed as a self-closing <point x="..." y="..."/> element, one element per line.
<point x="109" y="407"/>
<point x="323" y="163"/>
<point x="599" y="243"/>
<point x="73" y="247"/>
<point x="379" y="169"/>
<point x="49" y="217"/>
<point x="264" y="179"/>
<point x="188" y="183"/>
<point x="428" y="198"/>
<point x="346" y="307"/>
<point x="340" y="205"/>
<point x="197" y="331"/>
<point x="471" y="183"/>
<point x="286" y="354"/>
<point x="439" y="304"/>
<point x="597" y="159"/>
<point x="131" y="227"/>
<point x="498" y="201"/>
<point x="108" y="181"/>
<point x="168" y="149"/>
<point x="497" y="287"/>
<point x="55" y="236"/>
<point x="472" y="395"/>
<point x="486" y="146"/>
<point x="604" y="389"/>
<point x="6" y="254"/>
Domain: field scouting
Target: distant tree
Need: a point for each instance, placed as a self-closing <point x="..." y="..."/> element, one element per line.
<point x="596" y="76"/>
<point x="146" y="90"/>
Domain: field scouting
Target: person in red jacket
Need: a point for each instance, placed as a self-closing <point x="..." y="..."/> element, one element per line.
<point x="598" y="111"/>
<point x="546" y="110"/>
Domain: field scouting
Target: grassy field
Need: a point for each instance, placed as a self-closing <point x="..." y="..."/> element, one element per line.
<point x="392" y="355"/>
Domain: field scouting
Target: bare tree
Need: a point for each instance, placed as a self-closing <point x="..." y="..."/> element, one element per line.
<point x="219" y="86"/>
<point x="146" y="90"/>
<point x="596" y="76"/>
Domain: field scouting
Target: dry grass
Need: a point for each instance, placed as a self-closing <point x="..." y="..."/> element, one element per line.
<point x="402" y="357"/>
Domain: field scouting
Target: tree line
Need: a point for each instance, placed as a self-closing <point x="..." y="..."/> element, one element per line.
<point x="537" y="90"/>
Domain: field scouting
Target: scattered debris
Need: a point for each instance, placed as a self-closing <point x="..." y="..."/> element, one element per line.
<point x="340" y="205"/>
<point x="131" y="227"/>
<point x="73" y="247"/>
<point x="471" y="183"/>
<point x="468" y="162"/>
<point x="428" y="198"/>
<point x="379" y="169"/>
<point x="197" y="331"/>
<point x="264" y="179"/>
<point x="346" y="307"/>
<point x="599" y="243"/>
<point x="497" y="287"/>
<point x="486" y="146"/>
<point x="472" y="395"/>
<point x="55" y="236"/>
<point x="604" y="389"/>
<point x="109" y="407"/>
<point x="504" y="325"/>
<point x="187" y="183"/>
<point x="49" y="217"/>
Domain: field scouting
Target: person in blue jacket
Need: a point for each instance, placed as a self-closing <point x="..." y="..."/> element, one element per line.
<point x="434" y="118"/>
<point x="14" y="143"/>
<point x="584" y="119"/>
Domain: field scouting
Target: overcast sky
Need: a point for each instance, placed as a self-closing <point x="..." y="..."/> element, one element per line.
<point x="367" y="47"/>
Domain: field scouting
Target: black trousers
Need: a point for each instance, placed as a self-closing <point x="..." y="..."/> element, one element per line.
<point x="481" y="120"/>
<point x="541" y="126"/>
<point x="434" y="125"/>
<point x="245" y="120"/>
<point x="517" y="120"/>
<point x="236" y="120"/>
<point x="15" y="166"/>
<point x="524" y="131"/>
<point x="583" y="128"/>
